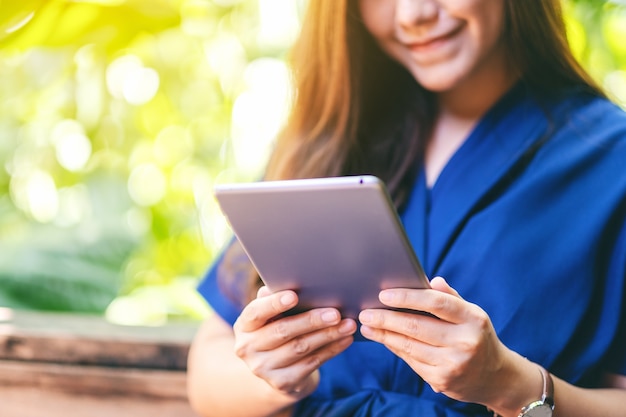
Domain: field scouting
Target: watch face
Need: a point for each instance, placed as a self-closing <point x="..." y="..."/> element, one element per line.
<point x="540" y="410"/>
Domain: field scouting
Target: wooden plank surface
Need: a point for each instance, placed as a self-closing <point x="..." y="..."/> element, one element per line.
<point x="94" y="380"/>
<point x="59" y="365"/>
<point x="89" y="340"/>
<point x="33" y="402"/>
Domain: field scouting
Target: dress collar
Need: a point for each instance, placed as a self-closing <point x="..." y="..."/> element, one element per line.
<point x="491" y="157"/>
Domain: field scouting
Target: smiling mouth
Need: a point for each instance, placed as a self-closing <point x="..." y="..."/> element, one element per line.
<point x="433" y="41"/>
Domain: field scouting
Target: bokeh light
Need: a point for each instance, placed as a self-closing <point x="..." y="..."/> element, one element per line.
<point x="117" y="117"/>
<point x="147" y="184"/>
<point x="73" y="147"/>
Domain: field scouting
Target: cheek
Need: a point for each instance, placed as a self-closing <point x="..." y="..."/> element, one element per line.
<point x="485" y="17"/>
<point x="490" y="19"/>
<point x="378" y="17"/>
<point x="485" y="30"/>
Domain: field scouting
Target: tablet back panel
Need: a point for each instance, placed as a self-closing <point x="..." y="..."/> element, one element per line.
<point x="336" y="241"/>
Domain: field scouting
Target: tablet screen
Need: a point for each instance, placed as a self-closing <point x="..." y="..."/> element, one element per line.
<point x="335" y="241"/>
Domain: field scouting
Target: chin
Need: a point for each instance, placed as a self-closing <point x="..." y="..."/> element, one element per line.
<point x="437" y="84"/>
<point x="437" y="81"/>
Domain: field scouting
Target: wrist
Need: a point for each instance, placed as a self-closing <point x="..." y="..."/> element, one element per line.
<point x="523" y="384"/>
<point x="545" y="406"/>
<point x="304" y="388"/>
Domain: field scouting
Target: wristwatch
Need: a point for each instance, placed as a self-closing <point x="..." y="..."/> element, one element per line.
<point x="545" y="406"/>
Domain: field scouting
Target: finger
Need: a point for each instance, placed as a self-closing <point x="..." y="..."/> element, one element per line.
<point x="263" y="292"/>
<point x="426" y="364"/>
<point x="310" y="343"/>
<point x="440" y="284"/>
<point x="285" y="329"/>
<point x="426" y="329"/>
<point x="438" y="303"/>
<point x="426" y="360"/>
<point x="302" y="346"/>
<point x="417" y="354"/>
<point x="290" y="378"/>
<point x="256" y="314"/>
<point x="313" y="361"/>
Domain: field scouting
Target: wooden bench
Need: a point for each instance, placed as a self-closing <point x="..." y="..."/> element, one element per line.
<point x="54" y="365"/>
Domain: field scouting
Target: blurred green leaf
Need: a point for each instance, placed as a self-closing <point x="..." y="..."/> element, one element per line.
<point x="117" y="117"/>
<point x="64" y="277"/>
<point x="110" y="24"/>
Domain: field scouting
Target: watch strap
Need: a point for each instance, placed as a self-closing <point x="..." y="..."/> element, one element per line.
<point x="548" y="387"/>
<point x="547" y="396"/>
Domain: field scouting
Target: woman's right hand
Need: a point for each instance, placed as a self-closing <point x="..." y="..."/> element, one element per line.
<point x="287" y="352"/>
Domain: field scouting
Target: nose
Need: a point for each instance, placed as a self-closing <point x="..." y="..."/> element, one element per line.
<point x="412" y="12"/>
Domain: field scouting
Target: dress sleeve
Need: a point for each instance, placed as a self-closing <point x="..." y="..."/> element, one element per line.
<point x="226" y="286"/>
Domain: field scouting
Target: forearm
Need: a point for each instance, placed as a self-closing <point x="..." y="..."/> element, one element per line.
<point x="220" y="384"/>
<point x="570" y="400"/>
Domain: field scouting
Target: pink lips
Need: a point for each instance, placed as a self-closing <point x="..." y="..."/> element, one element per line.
<point x="433" y="41"/>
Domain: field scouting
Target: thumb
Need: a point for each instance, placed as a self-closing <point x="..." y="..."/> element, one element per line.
<point x="263" y="292"/>
<point x="440" y="284"/>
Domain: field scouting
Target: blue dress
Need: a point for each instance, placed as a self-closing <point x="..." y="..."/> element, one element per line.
<point x="527" y="220"/>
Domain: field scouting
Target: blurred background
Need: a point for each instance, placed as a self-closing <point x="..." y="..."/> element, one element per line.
<point x="118" y="116"/>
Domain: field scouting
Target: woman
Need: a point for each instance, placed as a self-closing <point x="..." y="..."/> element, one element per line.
<point x="506" y="163"/>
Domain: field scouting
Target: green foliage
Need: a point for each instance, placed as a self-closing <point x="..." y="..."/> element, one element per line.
<point x="118" y="116"/>
<point x="597" y="30"/>
<point x="114" y="123"/>
<point x="63" y="277"/>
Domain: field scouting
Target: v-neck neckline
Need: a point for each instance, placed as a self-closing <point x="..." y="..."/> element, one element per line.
<point x="492" y="149"/>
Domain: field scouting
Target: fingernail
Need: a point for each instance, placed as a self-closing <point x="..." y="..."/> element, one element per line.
<point x="386" y="296"/>
<point x="366" y="331"/>
<point x="330" y="316"/>
<point x="347" y="327"/>
<point x="287" y="299"/>
<point x="366" y="317"/>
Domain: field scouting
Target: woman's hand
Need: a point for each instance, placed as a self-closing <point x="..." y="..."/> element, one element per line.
<point x="286" y="352"/>
<point x="457" y="352"/>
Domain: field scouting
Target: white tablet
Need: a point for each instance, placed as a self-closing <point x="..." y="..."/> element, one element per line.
<point x="336" y="241"/>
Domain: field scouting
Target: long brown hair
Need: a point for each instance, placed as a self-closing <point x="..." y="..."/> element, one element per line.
<point x="356" y="111"/>
<point x="536" y="37"/>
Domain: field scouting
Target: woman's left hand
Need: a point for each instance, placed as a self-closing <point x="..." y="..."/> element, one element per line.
<point x="457" y="352"/>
